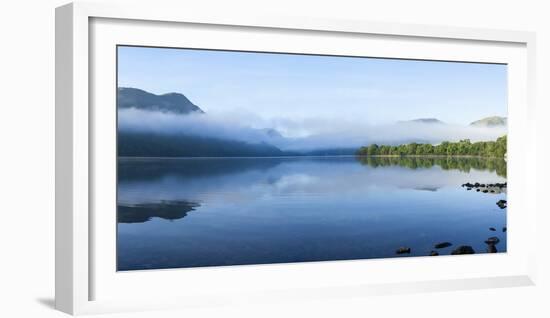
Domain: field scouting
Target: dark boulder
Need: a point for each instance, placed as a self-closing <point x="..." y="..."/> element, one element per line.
<point x="502" y="204"/>
<point x="443" y="245"/>
<point x="491" y="248"/>
<point x="492" y="229"/>
<point x="492" y="240"/>
<point x="403" y="250"/>
<point x="434" y="253"/>
<point x="464" y="249"/>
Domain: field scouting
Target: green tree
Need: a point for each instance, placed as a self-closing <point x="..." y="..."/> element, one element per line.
<point x="372" y="150"/>
<point x="463" y="147"/>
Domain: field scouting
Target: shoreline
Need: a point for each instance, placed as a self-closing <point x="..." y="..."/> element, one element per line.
<point x="315" y="156"/>
<point x="429" y="156"/>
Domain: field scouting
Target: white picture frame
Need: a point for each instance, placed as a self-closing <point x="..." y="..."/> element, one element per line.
<point x="85" y="280"/>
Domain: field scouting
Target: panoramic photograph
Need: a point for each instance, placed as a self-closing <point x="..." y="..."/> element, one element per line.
<point x="245" y="158"/>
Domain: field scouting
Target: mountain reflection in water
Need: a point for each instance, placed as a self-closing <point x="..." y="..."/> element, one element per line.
<point x="168" y="210"/>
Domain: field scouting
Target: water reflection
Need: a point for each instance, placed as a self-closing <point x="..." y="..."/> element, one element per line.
<point x="226" y="211"/>
<point x="464" y="164"/>
<point x="168" y="210"/>
<point x="133" y="169"/>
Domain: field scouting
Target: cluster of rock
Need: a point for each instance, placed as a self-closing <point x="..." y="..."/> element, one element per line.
<point x="467" y="249"/>
<point x="489" y="188"/>
<point x="460" y="250"/>
<point x="463" y="249"/>
<point x="486" y="188"/>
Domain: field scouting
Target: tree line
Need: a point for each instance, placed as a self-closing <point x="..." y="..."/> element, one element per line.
<point x="495" y="149"/>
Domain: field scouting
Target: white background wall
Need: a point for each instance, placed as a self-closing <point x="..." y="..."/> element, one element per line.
<point x="27" y="160"/>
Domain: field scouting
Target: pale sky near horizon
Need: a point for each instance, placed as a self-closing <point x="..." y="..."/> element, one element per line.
<point x="380" y="91"/>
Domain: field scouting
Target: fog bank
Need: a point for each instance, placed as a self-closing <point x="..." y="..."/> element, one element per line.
<point x="307" y="134"/>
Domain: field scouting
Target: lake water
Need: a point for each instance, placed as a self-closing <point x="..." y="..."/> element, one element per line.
<point x="175" y="213"/>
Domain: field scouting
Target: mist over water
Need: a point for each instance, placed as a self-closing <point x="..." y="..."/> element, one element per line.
<point x="304" y="134"/>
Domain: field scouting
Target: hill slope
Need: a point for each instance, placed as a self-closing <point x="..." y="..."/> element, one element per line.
<point x="167" y="103"/>
<point x="493" y="121"/>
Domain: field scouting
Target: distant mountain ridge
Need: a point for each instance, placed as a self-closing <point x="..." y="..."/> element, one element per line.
<point x="493" y="121"/>
<point x="175" y="103"/>
<point x="423" y="121"/>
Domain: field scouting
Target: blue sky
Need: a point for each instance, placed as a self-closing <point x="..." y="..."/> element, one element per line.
<point x="378" y="91"/>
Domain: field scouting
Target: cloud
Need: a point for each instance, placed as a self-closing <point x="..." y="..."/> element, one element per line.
<point x="228" y="125"/>
<point x="324" y="133"/>
<point x="304" y="134"/>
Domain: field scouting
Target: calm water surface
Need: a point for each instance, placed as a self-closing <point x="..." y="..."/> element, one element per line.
<point x="176" y="213"/>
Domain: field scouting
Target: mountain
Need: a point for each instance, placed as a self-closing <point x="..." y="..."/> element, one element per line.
<point x="167" y="103"/>
<point x="493" y="121"/>
<point x="150" y="144"/>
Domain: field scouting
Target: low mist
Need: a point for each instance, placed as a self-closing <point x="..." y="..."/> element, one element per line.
<point x="298" y="135"/>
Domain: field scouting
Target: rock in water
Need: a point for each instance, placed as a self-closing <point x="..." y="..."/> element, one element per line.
<point x="504" y="229"/>
<point x="491" y="248"/>
<point x="443" y="245"/>
<point x="502" y="204"/>
<point x="492" y="229"/>
<point x="434" y="253"/>
<point x="492" y="240"/>
<point x="403" y="250"/>
<point x="464" y="249"/>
